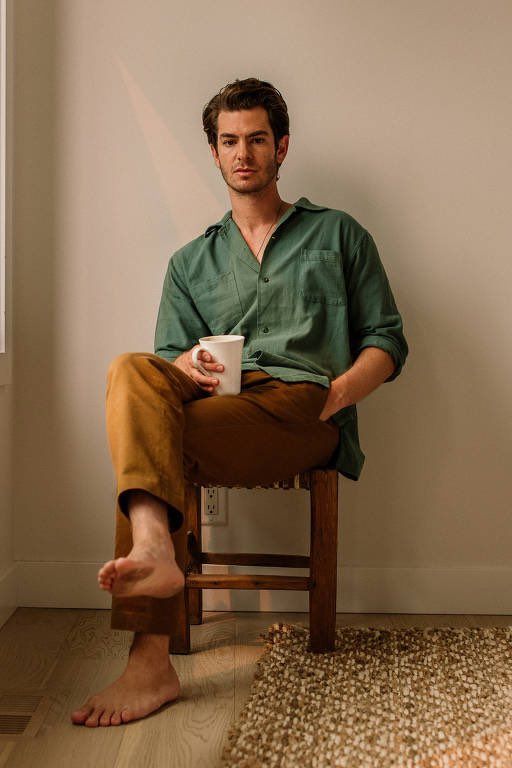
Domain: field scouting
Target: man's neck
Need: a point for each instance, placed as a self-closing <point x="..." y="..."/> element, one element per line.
<point x="255" y="212"/>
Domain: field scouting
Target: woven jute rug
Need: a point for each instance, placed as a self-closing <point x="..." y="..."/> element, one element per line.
<point x="427" y="697"/>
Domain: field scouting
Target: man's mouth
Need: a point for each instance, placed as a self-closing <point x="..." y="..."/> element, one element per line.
<point x="244" y="170"/>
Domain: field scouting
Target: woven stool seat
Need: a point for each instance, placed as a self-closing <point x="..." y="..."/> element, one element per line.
<point x="300" y="480"/>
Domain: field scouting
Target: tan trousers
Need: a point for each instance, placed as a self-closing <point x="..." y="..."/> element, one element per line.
<point x="164" y="429"/>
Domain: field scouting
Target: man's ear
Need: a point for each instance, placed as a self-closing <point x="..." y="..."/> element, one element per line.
<point x="215" y="155"/>
<point x="282" y="148"/>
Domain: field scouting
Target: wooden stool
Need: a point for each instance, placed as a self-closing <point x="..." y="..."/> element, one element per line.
<point x="322" y="485"/>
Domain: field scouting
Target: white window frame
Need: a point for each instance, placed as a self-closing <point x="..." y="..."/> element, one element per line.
<point x="5" y="203"/>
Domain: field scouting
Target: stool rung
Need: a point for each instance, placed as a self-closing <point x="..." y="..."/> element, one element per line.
<point x="249" y="558"/>
<point x="246" y="581"/>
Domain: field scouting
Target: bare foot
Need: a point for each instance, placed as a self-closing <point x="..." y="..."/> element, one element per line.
<point x="142" y="688"/>
<point x="146" y="571"/>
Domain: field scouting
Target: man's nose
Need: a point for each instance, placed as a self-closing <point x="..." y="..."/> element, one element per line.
<point x="243" y="150"/>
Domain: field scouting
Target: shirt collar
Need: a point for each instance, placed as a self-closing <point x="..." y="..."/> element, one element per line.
<point x="302" y="202"/>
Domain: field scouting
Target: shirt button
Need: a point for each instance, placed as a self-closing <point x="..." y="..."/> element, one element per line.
<point x="265" y="330"/>
<point x="265" y="279"/>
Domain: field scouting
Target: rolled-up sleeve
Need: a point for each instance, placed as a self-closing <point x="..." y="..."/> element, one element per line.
<point x="178" y="325"/>
<point x="374" y="320"/>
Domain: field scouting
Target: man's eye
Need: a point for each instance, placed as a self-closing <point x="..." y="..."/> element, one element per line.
<point x="228" y="142"/>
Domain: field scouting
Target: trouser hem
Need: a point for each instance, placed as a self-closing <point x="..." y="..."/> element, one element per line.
<point x="136" y="622"/>
<point x="174" y="500"/>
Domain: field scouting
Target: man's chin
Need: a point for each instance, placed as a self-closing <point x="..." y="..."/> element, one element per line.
<point x="244" y="181"/>
<point x="248" y="185"/>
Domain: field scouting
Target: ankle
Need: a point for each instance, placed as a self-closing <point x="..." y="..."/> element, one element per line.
<point x="149" y="646"/>
<point x="149" y="522"/>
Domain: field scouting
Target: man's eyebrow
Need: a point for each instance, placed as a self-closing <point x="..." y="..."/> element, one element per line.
<point x="234" y="135"/>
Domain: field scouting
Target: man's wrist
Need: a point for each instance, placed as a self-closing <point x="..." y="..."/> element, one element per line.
<point x="370" y="369"/>
<point x="341" y="393"/>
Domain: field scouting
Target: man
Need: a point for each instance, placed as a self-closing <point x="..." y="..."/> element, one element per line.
<point x="305" y="285"/>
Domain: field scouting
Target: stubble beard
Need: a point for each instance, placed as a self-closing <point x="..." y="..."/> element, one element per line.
<point x="268" y="175"/>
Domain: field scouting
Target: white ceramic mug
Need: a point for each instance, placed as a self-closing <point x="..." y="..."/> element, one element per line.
<point x="226" y="350"/>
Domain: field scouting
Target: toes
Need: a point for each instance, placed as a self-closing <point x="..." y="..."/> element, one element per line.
<point x="105" y="718"/>
<point x="79" y="716"/>
<point x="108" y="570"/>
<point x="106" y="575"/>
<point x="126" y="715"/>
<point x="105" y="583"/>
<point x="94" y="717"/>
<point x="116" y="719"/>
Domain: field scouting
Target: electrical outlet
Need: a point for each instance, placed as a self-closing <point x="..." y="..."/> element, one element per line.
<point x="214" y="506"/>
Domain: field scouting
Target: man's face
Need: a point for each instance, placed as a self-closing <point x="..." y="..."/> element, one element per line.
<point x="245" y="140"/>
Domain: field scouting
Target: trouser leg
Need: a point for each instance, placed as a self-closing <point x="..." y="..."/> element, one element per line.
<point x="163" y="428"/>
<point x="268" y="432"/>
<point x="145" y="398"/>
<point x="145" y="401"/>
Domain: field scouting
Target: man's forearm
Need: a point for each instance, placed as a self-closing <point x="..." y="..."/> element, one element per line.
<point x="370" y="369"/>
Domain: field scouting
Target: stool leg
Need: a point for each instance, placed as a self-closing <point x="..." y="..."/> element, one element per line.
<point x="179" y="637"/>
<point x="323" y="559"/>
<point x="195" y="596"/>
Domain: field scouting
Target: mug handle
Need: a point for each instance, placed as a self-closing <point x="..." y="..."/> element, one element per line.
<point x="196" y="363"/>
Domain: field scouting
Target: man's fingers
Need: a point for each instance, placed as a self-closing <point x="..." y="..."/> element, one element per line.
<point x="209" y="362"/>
<point x="209" y="380"/>
<point x="207" y="358"/>
<point x="203" y="380"/>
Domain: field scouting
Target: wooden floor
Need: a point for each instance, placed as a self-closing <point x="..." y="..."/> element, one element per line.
<point x="66" y="655"/>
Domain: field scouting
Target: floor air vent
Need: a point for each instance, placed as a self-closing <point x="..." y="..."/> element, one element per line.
<point x="21" y="714"/>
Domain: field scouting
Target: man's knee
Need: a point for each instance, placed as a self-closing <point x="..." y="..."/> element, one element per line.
<point x="125" y="360"/>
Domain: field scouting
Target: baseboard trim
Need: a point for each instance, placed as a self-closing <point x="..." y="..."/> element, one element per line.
<point x="479" y="590"/>
<point x="8" y="593"/>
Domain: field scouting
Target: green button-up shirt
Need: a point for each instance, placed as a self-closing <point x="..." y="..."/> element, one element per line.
<point x="320" y="296"/>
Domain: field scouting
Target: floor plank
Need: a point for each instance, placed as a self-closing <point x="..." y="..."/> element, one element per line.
<point x="6" y="748"/>
<point x="30" y="643"/>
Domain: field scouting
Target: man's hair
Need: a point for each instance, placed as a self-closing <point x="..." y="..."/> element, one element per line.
<point x="246" y="94"/>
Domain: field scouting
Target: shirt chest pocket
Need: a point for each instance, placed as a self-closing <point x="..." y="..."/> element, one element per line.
<point x="321" y="276"/>
<point x="218" y="302"/>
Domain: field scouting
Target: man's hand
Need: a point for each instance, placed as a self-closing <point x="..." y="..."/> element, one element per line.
<point x="330" y="405"/>
<point x="184" y="361"/>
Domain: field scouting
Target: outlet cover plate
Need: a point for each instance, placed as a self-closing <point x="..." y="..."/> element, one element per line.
<point x="215" y="499"/>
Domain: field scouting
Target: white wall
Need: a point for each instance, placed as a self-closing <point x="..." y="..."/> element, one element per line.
<point x="400" y="115"/>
